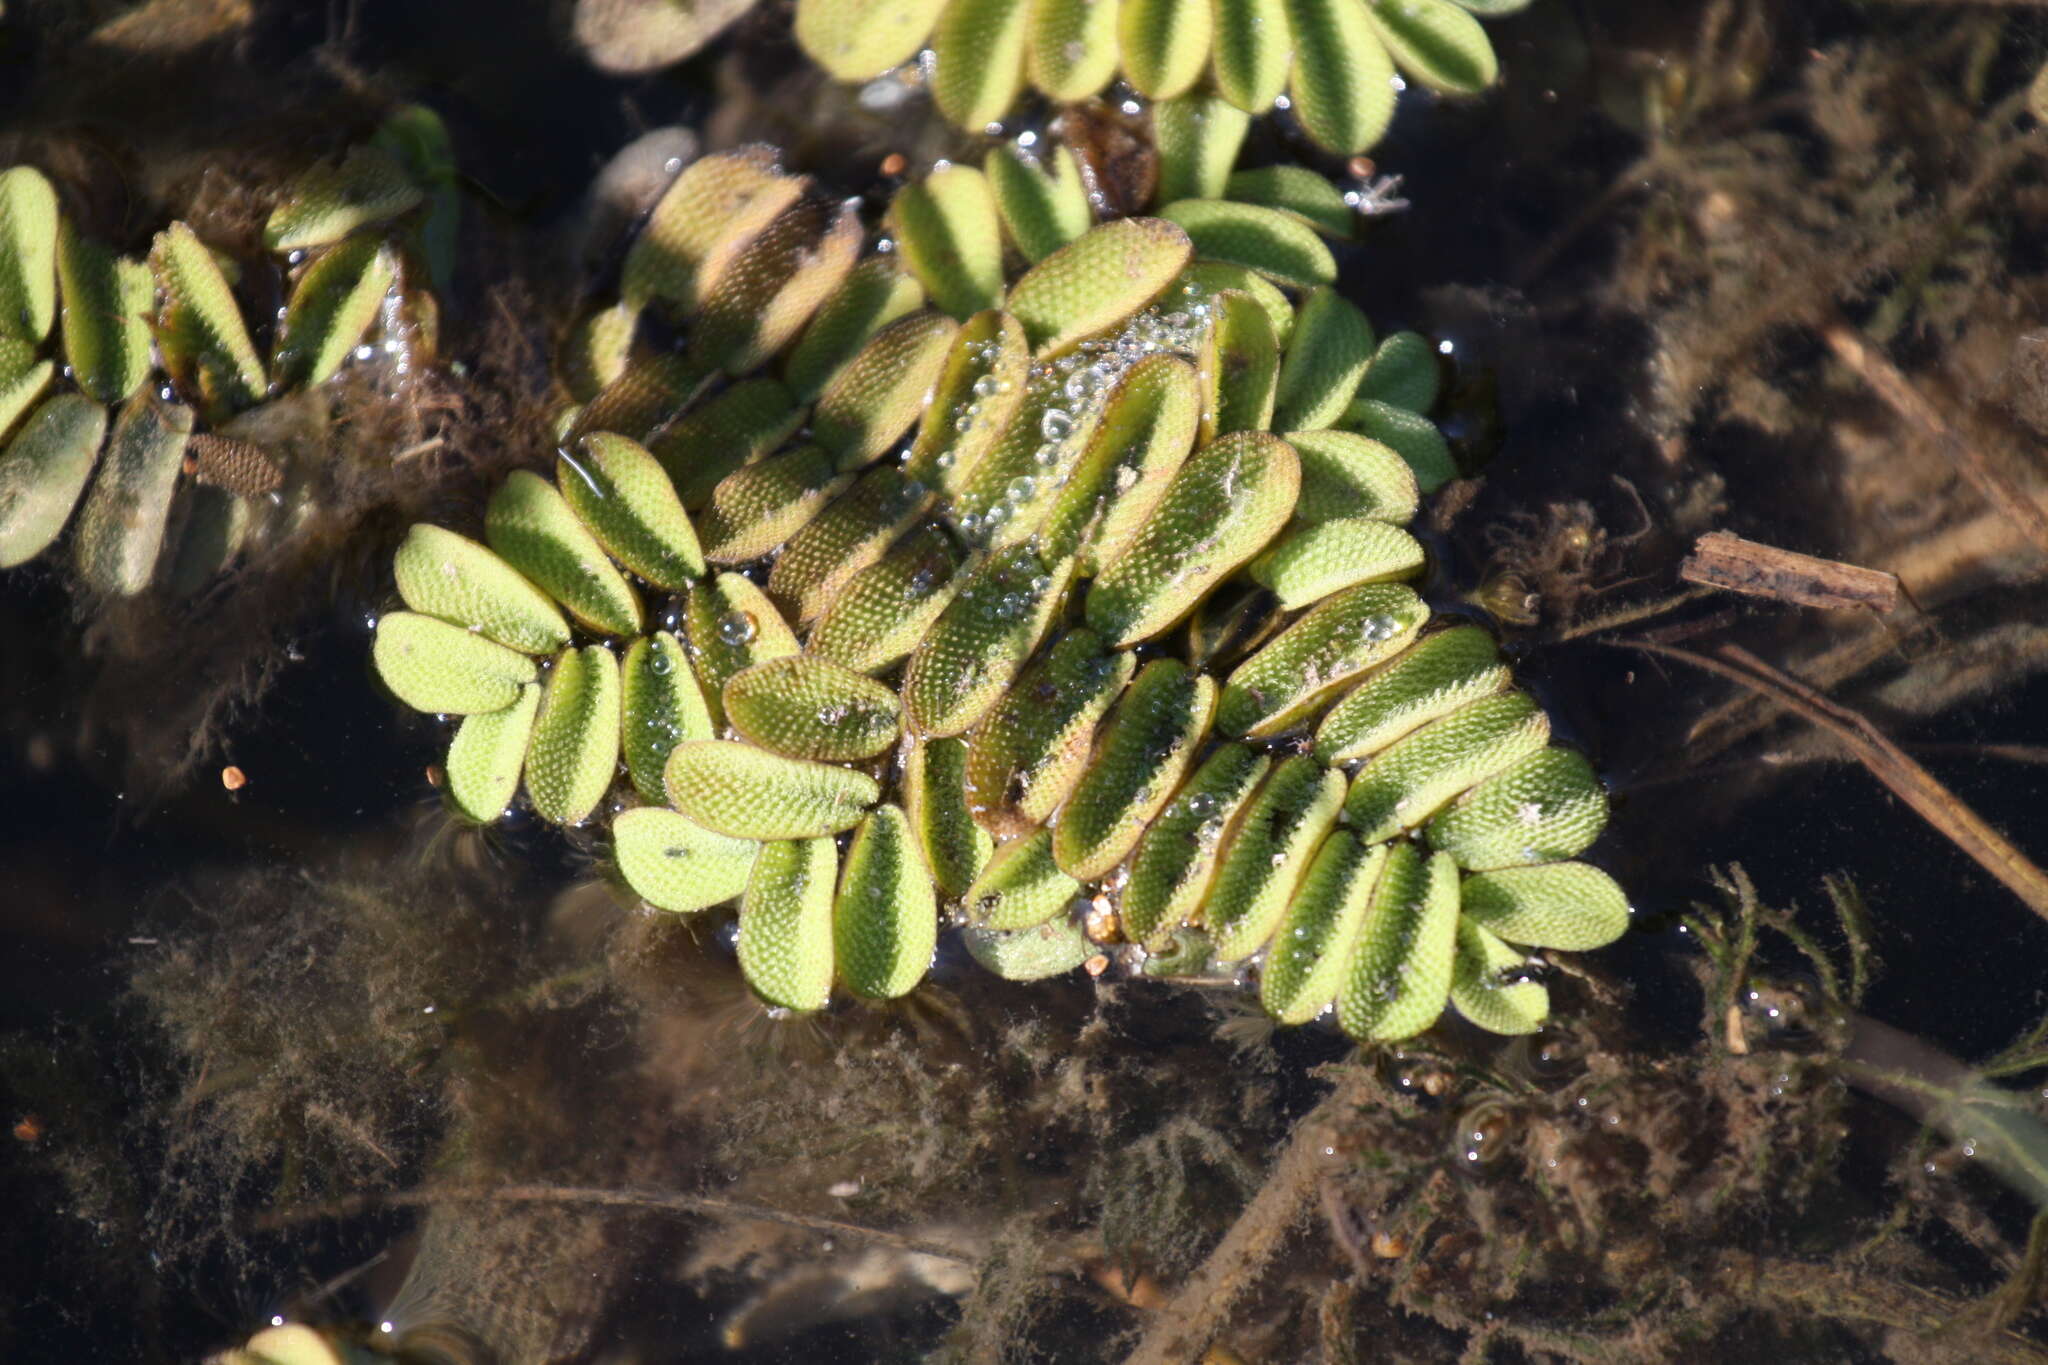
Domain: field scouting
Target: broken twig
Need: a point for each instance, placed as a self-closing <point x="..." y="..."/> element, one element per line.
<point x="1721" y="559"/>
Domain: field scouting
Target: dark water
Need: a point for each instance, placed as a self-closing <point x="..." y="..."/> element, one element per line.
<point x="109" y="868"/>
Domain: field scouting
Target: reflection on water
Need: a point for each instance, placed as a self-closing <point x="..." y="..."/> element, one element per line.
<point x="302" y="1049"/>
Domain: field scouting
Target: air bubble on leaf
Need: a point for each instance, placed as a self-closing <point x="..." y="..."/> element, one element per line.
<point x="737" y="628"/>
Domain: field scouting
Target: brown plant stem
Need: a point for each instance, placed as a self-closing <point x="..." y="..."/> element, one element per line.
<point x="1185" y="1327"/>
<point x="659" y="1201"/>
<point x="1912" y="783"/>
<point x="1898" y="393"/>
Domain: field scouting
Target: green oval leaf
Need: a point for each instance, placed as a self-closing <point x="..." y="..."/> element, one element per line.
<point x="532" y="528"/>
<point x="620" y="492"/>
<point x="1266" y="853"/>
<point x="1025" y="756"/>
<point x="1043" y="207"/>
<point x="749" y="793"/>
<point x="443" y="574"/>
<point x="1551" y="905"/>
<point x="1021" y="887"/>
<point x="445" y="670"/>
<point x="858" y="40"/>
<point x="1344" y="474"/>
<point x="1546" y="806"/>
<point x="956" y="848"/>
<point x="1431" y="679"/>
<point x="1253" y="51"/>
<point x="329" y="202"/>
<point x="1343" y="80"/>
<point x="1326" y="357"/>
<point x="1312" y="945"/>
<point x="1222" y="508"/>
<point x="885" y="920"/>
<point x="785" y="939"/>
<point x="43" y="471"/>
<point x="888" y="607"/>
<point x="966" y="662"/>
<point x="1277" y="245"/>
<point x="808" y="708"/>
<point x="1198" y="137"/>
<point x="978" y="65"/>
<point x="1146" y="749"/>
<point x="332" y="307"/>
<point x="107" y="303"/>
<point x="673" y="863"/>
<point x="1319" y="558"/>
<point x="1175" y="860"/>
<point x="1487" y="987"/>
<point x="1071" y="47"/>
<point x="28" y="254"/>
<point x="1412" y="778"/>
<point x="875" y="397"/>
<point x="121" y="528"/>
<point x="1399" y="976"/>
<point x="1165" y="44"/>
<point x="950" y="235"/>
<point x="730" y="624"/>
<point x="487" y="755"/>
<point x="663" y="707"/>
<point x="1437" y="43"/>
<point x="575" y="747"/>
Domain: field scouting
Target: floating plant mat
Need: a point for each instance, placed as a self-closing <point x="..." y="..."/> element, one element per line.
<point x="1072" y="602"/>
<point x="134" y="394"/>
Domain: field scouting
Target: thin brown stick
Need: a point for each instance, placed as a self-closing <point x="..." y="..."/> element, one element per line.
<point x="1889" y="764"/>
<point x="1890" y="384"/>
<point x="1630" y="614"/>
<point x="660" y="1201"/>
<point x="1184" y="1329"/>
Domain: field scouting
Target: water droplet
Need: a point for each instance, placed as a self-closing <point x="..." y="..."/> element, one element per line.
<point x="737" y="628"/>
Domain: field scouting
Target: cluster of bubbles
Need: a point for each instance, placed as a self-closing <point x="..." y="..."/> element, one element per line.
<point x="1070" y="390"/>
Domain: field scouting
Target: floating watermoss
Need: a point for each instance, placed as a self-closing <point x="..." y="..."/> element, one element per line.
<point x="1335" y="57"/>
<point x="158" y="514"/>
<point x="993" y="511"/>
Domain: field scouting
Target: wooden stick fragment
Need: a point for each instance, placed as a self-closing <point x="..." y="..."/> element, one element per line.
<point x="1722" y="559"/>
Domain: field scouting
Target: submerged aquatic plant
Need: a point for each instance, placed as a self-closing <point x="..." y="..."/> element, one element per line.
<point x="185" y="477"/>
<point x="1333" y="61"/>
<point x="1039" y="587"/>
